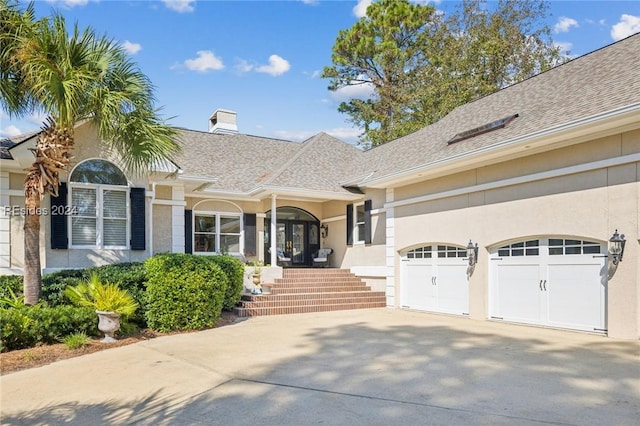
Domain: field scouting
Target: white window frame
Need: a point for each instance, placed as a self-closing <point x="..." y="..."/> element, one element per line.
<point x="100" y="189"/>
<point x="218" y="233"/>
<point x="357" y="238"/>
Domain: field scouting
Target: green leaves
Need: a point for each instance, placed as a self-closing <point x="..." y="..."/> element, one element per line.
<point x="102" y="297"/>
<point x="421" y="64"/>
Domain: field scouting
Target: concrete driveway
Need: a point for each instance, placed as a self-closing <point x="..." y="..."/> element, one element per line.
<point x="366" y="367"/>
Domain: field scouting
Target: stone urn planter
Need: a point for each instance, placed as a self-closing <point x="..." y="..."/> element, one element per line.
<point x="108" y="323"/>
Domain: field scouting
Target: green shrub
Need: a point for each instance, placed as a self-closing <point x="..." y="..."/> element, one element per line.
<point x="234" y="270"/>
<point x="54" y="284"/>
<point x="28" y="326"/>
<point x="76" y="340"/>
<point x="10" y="284"/>
<point x="184" y="292"/>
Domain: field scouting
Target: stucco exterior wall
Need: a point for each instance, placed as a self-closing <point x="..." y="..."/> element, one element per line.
<point x="589" y="205"/>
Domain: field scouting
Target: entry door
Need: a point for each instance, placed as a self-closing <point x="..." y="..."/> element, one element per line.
<point x="292" y="238"/>
<point x="298" y="243"/>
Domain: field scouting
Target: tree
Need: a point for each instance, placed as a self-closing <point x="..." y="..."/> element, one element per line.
<point x="73" y="76"/>
<point x="422" y="64"/>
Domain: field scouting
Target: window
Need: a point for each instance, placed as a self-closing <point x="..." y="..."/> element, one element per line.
<point x="420" y="253"/>
<point x="494" y="125"/>
<point x="522" y="248"/>
<point x="358" y="234"/>
<point x="216" y="233"/>
<point x="559" y="246"/>
<point x="451" y="251"/>
<point x="99" y="202"/>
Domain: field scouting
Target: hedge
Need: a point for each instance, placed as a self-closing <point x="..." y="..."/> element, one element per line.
<point x="234" y="270"/>
<point x="184" y="292"/>
<point x="28" y="326"/>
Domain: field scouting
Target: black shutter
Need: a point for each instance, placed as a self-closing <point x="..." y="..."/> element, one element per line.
<point x="349" y="224"/>
<point x="367" y="222"/>
<point x="59" y="236"/>
<point x="188" y="231"/>
<point x="250" y="234"/>
<point x="138" y="215"/>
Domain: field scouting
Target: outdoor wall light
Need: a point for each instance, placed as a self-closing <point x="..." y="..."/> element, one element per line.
<point x="472" y="253"/>
<point x="616" y="247"/>
<point x="324" y="230"/>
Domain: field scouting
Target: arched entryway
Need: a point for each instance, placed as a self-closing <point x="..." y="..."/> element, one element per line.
<point x="297" y="235"/>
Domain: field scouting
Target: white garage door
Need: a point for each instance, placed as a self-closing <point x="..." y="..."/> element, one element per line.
<point x="552" y="281"/>
<point x="434" y="278"/>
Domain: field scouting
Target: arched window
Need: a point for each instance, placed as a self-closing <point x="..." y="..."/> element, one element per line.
<point x="99" y="202"/>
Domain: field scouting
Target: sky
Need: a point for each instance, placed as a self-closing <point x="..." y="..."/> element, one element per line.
<point x="263" y="59"/>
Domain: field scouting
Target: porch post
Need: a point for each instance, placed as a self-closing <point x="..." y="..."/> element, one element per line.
<point x="274" y="218"/>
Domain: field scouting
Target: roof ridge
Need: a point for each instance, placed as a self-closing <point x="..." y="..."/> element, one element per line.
<point x="305" y="146"/>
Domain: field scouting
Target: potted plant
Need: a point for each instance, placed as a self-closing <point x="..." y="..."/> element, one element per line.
<point x="109" y="301"/>
<point x="256" y="277"/>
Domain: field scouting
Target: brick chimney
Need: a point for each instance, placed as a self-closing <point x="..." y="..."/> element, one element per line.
<point x="223" y="121"/>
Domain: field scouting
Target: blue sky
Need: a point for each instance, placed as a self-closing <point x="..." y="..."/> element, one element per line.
<point x="263" y="59"/>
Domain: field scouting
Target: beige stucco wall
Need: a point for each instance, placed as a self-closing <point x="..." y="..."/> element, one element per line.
<point x="588" y="205"/>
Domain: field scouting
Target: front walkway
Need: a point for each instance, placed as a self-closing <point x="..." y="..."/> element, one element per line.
<point x="361" y="367"/>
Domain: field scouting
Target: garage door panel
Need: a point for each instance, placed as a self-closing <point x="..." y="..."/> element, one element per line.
<point x="518" y="292"/>
<point x="576" y="296"/>
<point x="418" y="291"/>
<point x="453" y="289"/>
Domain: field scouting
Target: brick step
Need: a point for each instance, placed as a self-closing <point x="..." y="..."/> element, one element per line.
<point x="286" y="310"/>
<point x="318" y="274"/>
<point x="268" y="303"/>
<point x="316" y="284"/>
<point x="318" y="289"/>
<point x="318" y="280"/>
<point x="312" y="272"/>
<point x="309" y="296"/>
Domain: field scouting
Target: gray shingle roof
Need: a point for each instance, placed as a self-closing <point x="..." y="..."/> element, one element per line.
<point x="241" y="163"/>
<point x="7" y="143"/>
<point x="595" y="83"/>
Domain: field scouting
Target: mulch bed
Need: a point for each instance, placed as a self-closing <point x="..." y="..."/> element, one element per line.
<point x="46" y="354"/>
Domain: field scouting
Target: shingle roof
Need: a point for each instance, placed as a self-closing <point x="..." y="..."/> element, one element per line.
<point x="595" y="83"/>
<point x="7" y="143"/>
<point x="241" y="163"/>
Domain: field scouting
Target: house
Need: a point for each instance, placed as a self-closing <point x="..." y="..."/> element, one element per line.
<point x="538" y="176"/>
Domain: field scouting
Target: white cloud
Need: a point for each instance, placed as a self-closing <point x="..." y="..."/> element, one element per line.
<point x="360" y="9"/>
<point x="131" y="48"/>
<point x="313" y="74"/>
<point x="38" y="118"/>
<point x="627" y="26"/>
<point x="311" y="2"/>
<point x="277" y="65"/>
<point x="564" y="24"/>
<point x="347" y="134"/>
<point x="10" y="131"/>
<point x="565" y="47"/>
<point x="243" y="66"/>
<point x="206" y="61"/>
<point x="69" y="3"/>
<point x="180" y="6"/>
<point x="357" y="91"/>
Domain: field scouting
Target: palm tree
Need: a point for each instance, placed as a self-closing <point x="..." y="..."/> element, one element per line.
<point x="73" y="76"/>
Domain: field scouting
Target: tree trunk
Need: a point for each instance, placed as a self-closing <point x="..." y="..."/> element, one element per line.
<point x="32" y="277"/>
